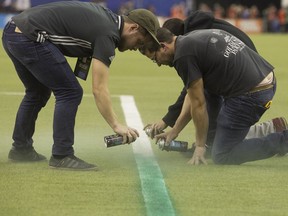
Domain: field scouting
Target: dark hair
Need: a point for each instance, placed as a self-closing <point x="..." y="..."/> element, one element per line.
<point x="164" y="35"/>
<point x="175" y="25"/>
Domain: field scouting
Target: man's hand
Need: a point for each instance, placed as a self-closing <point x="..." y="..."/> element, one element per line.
<point x="167" y="136"/>
<point x="129" y="134"/>
<point x="156" y="128"/>
<point x="198" y="156"/>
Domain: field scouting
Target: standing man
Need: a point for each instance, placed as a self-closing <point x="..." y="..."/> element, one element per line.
<point x="37" y="40"/>
<point x="228" y="68"/>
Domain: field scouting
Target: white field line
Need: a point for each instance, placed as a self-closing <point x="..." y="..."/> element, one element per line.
<point x="157" y="200"/>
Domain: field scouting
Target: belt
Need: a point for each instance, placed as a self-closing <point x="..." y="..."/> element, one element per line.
<point x="264" y="85"/>
<point x="16" y="28"/>
<point x="261" y="88"/>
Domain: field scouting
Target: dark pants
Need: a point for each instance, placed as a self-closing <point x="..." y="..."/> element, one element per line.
<point x="214" y="103"/>
<point x="231" y="123"/>
<point x="42" y="68"/>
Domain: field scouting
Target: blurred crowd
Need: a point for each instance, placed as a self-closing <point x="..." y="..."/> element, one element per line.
<point x="274" y="19"/>
<point x="11" y="6"/>
<point x="15" y="6"/>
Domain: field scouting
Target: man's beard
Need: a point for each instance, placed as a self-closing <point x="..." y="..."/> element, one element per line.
<point x="171" y="60"/>
<point x="121" y="45"/>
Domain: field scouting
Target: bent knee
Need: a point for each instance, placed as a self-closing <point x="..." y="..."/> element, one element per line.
<point x="67" y="95"/>
<point x="223" y="159"/>
<point x="217" y="159"/>
<point x="79" y="94"/>
<point x="45" y="97"/>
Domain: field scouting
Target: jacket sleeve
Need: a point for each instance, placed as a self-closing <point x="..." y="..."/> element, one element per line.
<point x="175" y="109"/>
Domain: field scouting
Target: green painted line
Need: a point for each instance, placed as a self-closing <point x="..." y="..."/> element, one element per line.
<point x="156" y="197"/>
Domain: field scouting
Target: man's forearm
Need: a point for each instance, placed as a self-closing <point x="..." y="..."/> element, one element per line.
<point x="104" y="105"/>
<point x="201" y="122"/>
<point x="100" y="75"/>
<point x="199" y="111"/>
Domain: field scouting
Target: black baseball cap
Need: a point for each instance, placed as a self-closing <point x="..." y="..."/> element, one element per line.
<point x="147" y="20"/>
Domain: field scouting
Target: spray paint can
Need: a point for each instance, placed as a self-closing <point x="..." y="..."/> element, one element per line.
<point x="148" y="131"/>
<point x="174" y="145"/>
<point x="113" y="140"/>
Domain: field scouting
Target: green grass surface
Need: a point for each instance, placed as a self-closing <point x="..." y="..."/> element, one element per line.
<point x="28" y="189"/>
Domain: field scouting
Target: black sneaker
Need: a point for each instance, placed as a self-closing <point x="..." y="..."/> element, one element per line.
<point x="25" y="155"/>
<point x="71" y="162"/>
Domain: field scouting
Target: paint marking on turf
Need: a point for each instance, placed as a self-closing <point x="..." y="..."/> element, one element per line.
<point x="156" y="198"/>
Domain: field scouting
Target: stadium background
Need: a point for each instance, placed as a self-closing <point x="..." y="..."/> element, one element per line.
<point x="257" y="188"/>
<point x="163" y="6"/>
<point x="271" y="14"/>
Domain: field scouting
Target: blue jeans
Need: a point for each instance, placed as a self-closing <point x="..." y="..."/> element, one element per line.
<point x="236" y="116"/>
<point x="42" y="68"/>
<point x="213" y="103"/>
